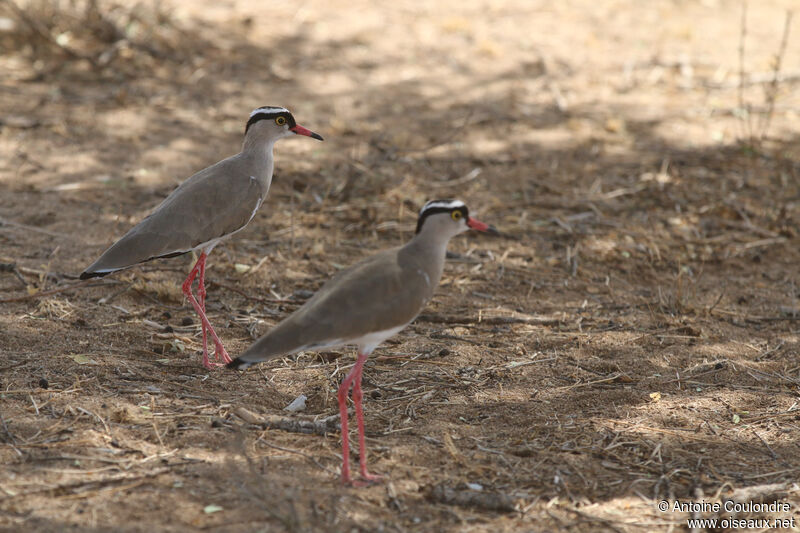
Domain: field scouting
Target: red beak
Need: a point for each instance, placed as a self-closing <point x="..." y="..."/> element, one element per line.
<point x="477" y="224"/>
<point x="300" y="130"/>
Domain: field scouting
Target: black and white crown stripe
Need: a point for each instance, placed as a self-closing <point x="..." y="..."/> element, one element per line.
<point x="270" y="109"/>
<point x="440" y="206"/>
<point x="270" y="112"/>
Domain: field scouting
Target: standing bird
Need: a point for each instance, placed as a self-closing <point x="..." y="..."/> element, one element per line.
<point x="208" y="207"/>
<point x="366" y="304"/>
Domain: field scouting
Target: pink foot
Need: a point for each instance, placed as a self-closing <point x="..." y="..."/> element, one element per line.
<point x="366" y="480"/>
<point x="370" y="479"/>
<point x="220" y="353"/>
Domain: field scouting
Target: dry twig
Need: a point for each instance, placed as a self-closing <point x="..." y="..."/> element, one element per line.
<point x="490" y="501"/>
<point x="323" y="426"/>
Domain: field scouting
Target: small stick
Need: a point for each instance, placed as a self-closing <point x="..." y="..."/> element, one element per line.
<point x="76" y="485"/>
<point x="492" y="320"/>
<point x="39" y="29"/>
<point x="246" y="295"/>
<point x="291" y="218"/>
<point x="80" y="285"/>
<point x="607" y="523"/>
<point x="13" y="441"/>
<point x="491" y="501"/>
<point x="456" y="338"/>
<point x="760" y="493"/>
<point x="12" y="365"/>
<point x="740" y="92"/>
<point x="759" y="78"/>
<point x="772" y="90"/>
<point x="447" y="138"/>
<point x="12" y="267"/>
<point x="769" y="448"/>
<point x="89" y="494"/>
<point x="294" y="425"/>
<point x="298" y="452"/>
<point x="8" y="432"/>
<point x="88" y="412"/>
<point x="469" y="176"/>
<point x="26" y="227"/>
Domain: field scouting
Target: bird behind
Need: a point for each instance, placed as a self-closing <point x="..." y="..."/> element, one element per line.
<point x="208" y="207"/>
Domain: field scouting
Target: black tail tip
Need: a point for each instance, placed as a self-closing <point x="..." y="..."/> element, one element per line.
<point x="90" y="275"/>
<point x="238" y="364"/>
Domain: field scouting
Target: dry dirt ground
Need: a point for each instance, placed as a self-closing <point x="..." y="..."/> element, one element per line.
<point x="633" y="339"/>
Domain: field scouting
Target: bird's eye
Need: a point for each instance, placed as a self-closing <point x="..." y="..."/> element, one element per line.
<point x="280" y="121"/>
<point x="456" y="215"/>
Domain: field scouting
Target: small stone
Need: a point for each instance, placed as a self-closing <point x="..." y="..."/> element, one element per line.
<point x="258" y="328"/>
<point x="299" y="404"/>
<point x="302" y="294"/>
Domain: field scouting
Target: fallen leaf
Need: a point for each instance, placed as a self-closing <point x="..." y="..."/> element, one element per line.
<point x="655" y="396"/>
<point x="82" y="359"/>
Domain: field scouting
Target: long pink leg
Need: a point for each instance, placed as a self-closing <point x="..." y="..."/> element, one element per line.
<point x="344" y="388"/>
<point x="201" y="296"/>
<point x="187" y="291"/>
<point x="201" y="292"/>
<point x="362" y="446"/>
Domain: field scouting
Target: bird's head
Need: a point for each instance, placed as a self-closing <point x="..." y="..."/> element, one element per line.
<point x="273" y="123"/>
<point x="448" y="218"/>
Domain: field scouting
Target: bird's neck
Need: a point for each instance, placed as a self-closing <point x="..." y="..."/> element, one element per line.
<point x="259" y="153"/>
<point x="431" y="241"/>
<point x="430" y="248"/>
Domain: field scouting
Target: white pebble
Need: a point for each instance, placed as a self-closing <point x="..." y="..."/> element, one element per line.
<point x="299" y="404"/>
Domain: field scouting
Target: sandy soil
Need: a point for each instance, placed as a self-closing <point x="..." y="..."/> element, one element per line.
<point x="634" y="339"/>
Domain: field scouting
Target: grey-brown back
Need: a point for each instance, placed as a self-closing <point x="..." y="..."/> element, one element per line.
<point x="382" y="292"/>
<point x="211" y="204"/>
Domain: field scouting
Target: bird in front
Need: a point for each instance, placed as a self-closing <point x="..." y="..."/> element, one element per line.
<point x="205" y="209"/>
<point x="365" y="304"/>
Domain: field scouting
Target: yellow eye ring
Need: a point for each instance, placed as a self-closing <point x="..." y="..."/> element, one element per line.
<point x="456" y="215"/>
<point x="280" y="121"/>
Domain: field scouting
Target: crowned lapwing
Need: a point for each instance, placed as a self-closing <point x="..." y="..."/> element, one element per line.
<point x="208" y="207"/>
<point x="367" y="303"/>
